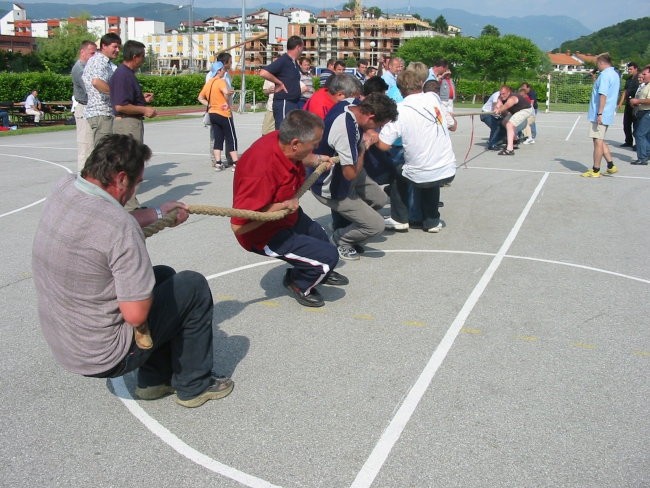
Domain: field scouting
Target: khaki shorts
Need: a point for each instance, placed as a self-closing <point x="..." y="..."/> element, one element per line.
<point x="597" y="131"/>
<point x="520" y="118"/>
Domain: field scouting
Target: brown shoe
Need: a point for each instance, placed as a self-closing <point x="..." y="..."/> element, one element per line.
<point x="220" y="387"/>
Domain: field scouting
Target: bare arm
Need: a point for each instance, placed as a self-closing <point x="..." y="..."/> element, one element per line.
<point x="101" y="86"/>
<point x="135" y="313"/>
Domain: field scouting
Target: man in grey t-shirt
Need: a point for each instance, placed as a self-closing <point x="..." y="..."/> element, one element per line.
<point x="96" y="286"/>
<point x="84" y="132"/>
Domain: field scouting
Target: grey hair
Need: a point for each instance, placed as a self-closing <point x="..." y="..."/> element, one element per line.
<point x="349" y="85"/>
<point x="301" y="125"/>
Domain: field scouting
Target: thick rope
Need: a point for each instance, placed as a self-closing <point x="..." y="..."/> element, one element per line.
<point x="170" y="218"/>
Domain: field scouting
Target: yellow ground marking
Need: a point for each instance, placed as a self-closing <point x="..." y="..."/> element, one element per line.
<point x="270" y="304"/>
<point x="528" y="338"/>
<point x="364" y="316"/>
<point x="582" y="345"/>
<point x="643" y="354"/>
<point x="315" y="309"/>
<point x="414" y="323"/>
<point x="469" y="330"/>
<point x="225" y="297"/>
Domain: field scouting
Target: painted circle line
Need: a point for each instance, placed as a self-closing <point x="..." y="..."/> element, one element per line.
<point x="42" y="199"/>
<point x="252" y="481"/>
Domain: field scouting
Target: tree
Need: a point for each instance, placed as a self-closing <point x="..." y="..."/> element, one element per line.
<point x="60" y="52"/>
<point x="486" y="58"/>
<point x="490" y="30"/>
<point x="375" y="12"/>
<point x="440" y="24"/>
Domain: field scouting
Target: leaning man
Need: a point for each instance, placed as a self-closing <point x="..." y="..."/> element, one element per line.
<point x="96" y="286"/>
<point x="268" y="176"/>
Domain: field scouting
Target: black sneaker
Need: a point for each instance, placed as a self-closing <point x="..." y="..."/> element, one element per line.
<point x="335" y="279"/>
<point x="314" y="299"/>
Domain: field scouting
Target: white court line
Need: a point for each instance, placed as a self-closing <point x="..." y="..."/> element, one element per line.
<point x="387" y="441"/>
<point x="30" y="146"/>
<point x="22" y="208"/>
<point x="181" y="447"/>
<point x="39" y="160"/>
<point x="42" y="199"/>
<point x="573" y="128"/>
<point x="564" y="173"/>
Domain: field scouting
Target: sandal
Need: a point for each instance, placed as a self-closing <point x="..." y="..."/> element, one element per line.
<point x="505" y="152"/>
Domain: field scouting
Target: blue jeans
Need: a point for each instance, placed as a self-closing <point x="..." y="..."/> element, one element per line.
<point x="180" y="321"/>
<point x="5" y="118"/>
<point x="642" y="135"/>
<point x="497" y="131"/>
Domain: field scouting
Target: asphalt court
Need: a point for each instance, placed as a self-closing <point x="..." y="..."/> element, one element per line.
<point x="511" y="349"/>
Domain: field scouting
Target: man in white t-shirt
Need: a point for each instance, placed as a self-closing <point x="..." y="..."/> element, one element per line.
<point x="497" y="131"/>
<point x="429" y="159"/>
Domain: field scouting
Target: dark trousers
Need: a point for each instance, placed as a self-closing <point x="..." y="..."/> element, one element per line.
<point x="180" y="321"/>
<point x="629" y="124"/>
<point x="281" y="108"/>
<point x="497" y="131"/>
<point x="427" y="196"/>
<point x="223" y="129"/>
<point x="307" y="248"/>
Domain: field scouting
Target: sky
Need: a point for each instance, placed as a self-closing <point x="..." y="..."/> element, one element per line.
<point x="594" y="14"/>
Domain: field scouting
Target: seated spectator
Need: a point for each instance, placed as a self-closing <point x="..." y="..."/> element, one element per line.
<point x="6" y="123"/>
<point x="33" y="107"/>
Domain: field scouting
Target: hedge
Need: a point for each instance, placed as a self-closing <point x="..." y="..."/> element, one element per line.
<point x="182" y="90"/>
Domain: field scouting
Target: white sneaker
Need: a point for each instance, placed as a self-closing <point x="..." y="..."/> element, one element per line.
<point x="395" y="225"/>
<point x="529" y="141"/>
<point x="13" y="127"/>
<point x="436" y="229"/>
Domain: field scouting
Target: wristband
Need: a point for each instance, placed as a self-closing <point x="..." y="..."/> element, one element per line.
<point x="159" y="213"/>
<point x="599" y="114"/>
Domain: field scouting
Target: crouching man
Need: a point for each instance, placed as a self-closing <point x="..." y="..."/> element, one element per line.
<point x="96" y="285"/>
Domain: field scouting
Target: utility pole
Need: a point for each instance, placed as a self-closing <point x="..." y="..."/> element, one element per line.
<point x="242" y="97"/>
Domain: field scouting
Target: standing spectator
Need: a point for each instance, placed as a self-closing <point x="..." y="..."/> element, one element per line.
<point x="269" y="174"/>
<point x="641" y="103"/>
<point x="97" y="73"/>
<point x="516" y="109"/>
<point x="346" y="188"/>
<point x="371" y="72"/>
<point x="438" y="68"/>
<point x="214" y="95"/>
<point x="306" y="80"/>
<point x="33" y="107"/>
<point x="339" y="67"/>
<point x="268" y="124"/>
<point x="130" y="104"/>
<point x="497" y="131"/>
<point x="629" y="92"/>
<point x="447" y="91"/>
<point x="602" y="108"/>
<point x="384" y="60"/>
<point x="395" y="66"/>
<point x="96" y="286"/>
<point x="6" y="123"/>
<point x="84" y="132"/>
<point x="326" y="72"/>
<point x="285" y="74"/>
<point x="362" y="69"/>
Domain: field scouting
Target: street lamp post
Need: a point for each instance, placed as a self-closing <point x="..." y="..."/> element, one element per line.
<point x="191" y="36"/>
<point x="242" y="97"/>
<point x="372" y="52"/>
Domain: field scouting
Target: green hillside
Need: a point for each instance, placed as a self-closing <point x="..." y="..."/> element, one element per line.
<point x="626" y="41"/>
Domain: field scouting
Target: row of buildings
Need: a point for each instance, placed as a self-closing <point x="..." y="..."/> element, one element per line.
<point x="193" y="45"/>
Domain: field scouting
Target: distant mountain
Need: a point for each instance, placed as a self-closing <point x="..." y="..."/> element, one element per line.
<point x="626" y="41"/>
<point x="548" y="32"/>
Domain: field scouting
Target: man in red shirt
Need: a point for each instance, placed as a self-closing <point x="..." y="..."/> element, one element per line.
<point x="339" y="88"/>
<point x="268" y="176"/>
